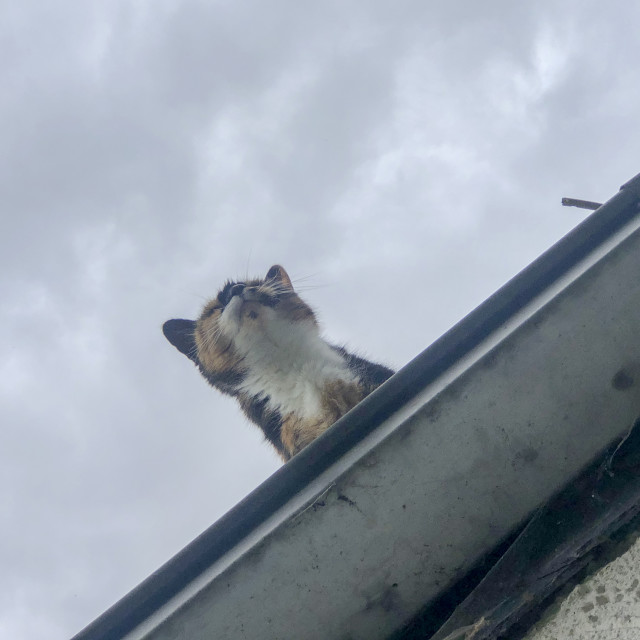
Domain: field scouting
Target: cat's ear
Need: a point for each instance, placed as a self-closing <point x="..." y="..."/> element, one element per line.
<point x="181" y="334"/>
<point x="278" y="274"/>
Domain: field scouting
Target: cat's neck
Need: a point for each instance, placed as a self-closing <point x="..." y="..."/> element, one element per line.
<point x="291" y="366"/>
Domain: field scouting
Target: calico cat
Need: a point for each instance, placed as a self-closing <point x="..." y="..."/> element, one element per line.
<point x="259" y="342"/>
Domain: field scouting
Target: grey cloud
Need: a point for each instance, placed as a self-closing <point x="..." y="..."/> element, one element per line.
<point x="401" y="160"/>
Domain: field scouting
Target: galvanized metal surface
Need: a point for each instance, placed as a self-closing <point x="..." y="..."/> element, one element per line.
<point x="404" y="511"/>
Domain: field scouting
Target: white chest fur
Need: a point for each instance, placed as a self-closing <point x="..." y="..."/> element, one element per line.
<point x="290" y="363"/>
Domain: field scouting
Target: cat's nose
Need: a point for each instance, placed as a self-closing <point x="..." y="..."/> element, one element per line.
<point x="236" y="290"/>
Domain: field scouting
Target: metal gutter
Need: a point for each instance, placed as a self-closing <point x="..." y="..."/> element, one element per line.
<point x="274" y="547"/>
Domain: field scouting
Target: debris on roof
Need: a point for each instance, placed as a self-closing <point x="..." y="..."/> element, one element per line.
<point x="581" y="204"/>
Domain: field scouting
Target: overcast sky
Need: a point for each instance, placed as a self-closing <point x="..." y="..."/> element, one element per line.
<point x="401" y="159"/>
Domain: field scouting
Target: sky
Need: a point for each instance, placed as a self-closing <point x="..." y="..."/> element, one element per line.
<point x="401" y="160"/>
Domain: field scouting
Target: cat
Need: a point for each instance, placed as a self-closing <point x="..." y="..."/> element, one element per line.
<point x="259" y="342"/>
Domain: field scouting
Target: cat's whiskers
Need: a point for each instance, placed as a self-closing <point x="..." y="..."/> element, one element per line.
<point x="193" y="352"/>
<point x="310" y="287"/>
<point x="211" y="335"/>
<point x="214" y="335"/>
<point x="303" y="278"/>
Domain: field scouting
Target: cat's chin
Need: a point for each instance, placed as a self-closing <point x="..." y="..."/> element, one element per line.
<point x="229" y="321"/>
<point x="243" y="315"/>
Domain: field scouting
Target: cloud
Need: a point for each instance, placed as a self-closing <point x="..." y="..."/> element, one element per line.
<point x="402" y="161"/>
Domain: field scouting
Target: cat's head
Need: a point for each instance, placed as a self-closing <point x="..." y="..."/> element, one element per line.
<point x="242" y="315"/>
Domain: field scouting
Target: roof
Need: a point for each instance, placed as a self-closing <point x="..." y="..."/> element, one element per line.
<point x="416" y="487"/>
